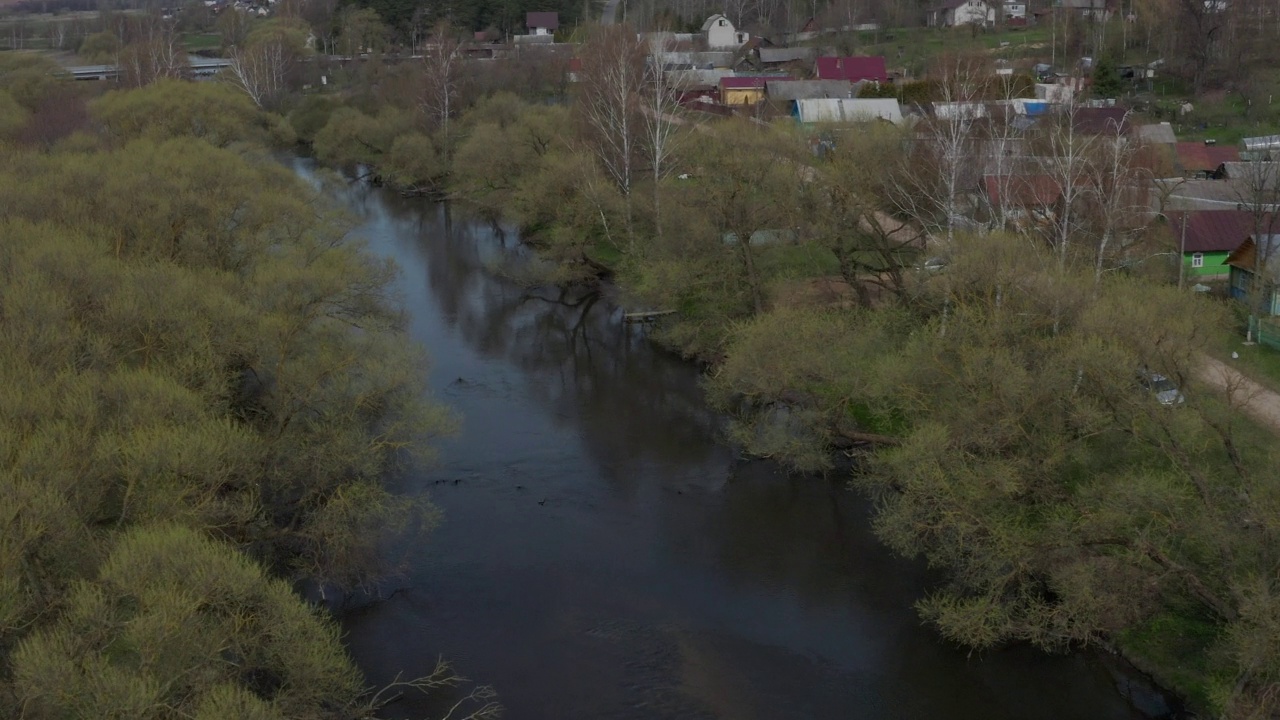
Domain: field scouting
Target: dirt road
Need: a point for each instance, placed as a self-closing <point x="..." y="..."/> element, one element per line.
<point x="1259" y="402"/>
<point x="610" y="13"/>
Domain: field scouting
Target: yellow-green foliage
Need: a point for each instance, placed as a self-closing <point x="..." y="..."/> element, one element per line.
<point x="214" y="112"/>
<point x="12" y="115"/>
<point x="175" y="621"/>
<point x="100" y="47"/>
<point x="202" y="381"/>
<point x="352" y="137"/>
<point x="28" y="77"/>
<point x="1067" y="504"/>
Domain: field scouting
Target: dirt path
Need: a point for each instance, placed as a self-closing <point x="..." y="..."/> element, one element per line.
<point x="1259" y="402"/>
<point x="610" y="13"/>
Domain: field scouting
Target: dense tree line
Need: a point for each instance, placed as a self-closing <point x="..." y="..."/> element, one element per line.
<point x="202" y="381"/>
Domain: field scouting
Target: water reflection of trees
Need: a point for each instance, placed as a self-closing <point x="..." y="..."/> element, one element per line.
<point x="629" y="401"/>
<point x="639" y="411"/>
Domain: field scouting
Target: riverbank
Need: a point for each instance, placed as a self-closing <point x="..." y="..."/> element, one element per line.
<point x="609" y="556"/>
<point x="1009" y="433"/>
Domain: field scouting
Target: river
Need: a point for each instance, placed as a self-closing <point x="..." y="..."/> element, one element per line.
<point x="605" y="555"/>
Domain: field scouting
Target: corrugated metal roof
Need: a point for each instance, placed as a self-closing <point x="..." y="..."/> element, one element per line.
<point x="1197" y="157"/>
<point x="780" y="55"/>
<point x="807" y="89"/>
<point x="1212" y="230"/>
<point x="1263" y="175"/>
<point x="849" y="110"/>
<point x="853" y="68"/>
<point x="1158" y="133"/>
<point x="696" y="78"/>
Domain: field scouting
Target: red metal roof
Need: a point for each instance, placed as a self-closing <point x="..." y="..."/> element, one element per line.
<point x="1102" y="121"/>
<point x="1024" y="190"/>
<point x="1213" y="230"/>
<point x="1194" y="156"/>
<point x="853" y="68"/>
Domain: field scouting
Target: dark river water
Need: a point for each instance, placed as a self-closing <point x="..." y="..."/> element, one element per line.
<point x="604" y="553"/>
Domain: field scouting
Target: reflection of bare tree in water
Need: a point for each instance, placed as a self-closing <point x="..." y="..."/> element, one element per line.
<point x="627" y="399"/>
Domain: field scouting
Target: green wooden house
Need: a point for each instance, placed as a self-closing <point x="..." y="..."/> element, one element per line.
<point x="1206" y="237"/>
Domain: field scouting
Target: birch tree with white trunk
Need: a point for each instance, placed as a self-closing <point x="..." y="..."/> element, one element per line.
<point x="660" y="120"/>
<point x="611" y="81"/>
<point x="1120" y="194"/>
<point x="946" y="142"/>
<point x="262" y="65"/>
<point x="442" y="60"/>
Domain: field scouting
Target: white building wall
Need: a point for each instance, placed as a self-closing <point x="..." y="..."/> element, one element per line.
<point x="722" y="34"/>
<point x="973" y="12"/>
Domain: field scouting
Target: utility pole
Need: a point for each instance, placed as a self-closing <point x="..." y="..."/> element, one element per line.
<point x="1182" y="252"/>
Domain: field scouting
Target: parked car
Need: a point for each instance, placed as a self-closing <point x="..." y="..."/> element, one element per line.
<point x="1166" y="392"/>
<point x="934" y="264"/>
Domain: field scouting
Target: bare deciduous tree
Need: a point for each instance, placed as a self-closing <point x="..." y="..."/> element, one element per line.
<point x="946" y="145"/>
<point x="442" y="64"/>
<point x="156" y="54"/>
<point x="261" y="67"/>
<point x="660" y="121"/>
<point x="611" y="81"/>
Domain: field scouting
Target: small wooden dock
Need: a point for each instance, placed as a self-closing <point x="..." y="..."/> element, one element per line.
<point x="645" y="316"/>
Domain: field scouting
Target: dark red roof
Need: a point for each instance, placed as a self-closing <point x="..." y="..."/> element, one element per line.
<point x="1102" y="121"/>
<point x="744" y="83"/>
<point x="853" y="69"/>
<point x="1212" y="230"/>
<point x="548" y="20"/>
<point x="1194" y="156"/>
<point x="1024" y="190"/>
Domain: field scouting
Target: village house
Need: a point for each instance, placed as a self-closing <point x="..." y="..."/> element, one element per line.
<point x="743" y="90"/>
<point x="722" y="35"/>
<point x="1206" y="238"/>
<point x="954" y="13"/>
<point x="852" y="69"/>
<point x="1015" y="12"/>
<point x="1024" y="199"/>
<point x="542" y="23"/>
<point x="788" y="91"/>
<point x="1100" y="10"/>
<point x="1242" y="263"/>
<point x="772" y="56"/>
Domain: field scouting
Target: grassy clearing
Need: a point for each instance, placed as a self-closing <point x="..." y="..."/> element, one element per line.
<point x="202" y="41"/>
<point x="915" y="48"/>
<point x="1259" y="362"/>
<point x="797" y="261"/>
<point x="1175" y="647"/>
<point x="1226" y="116"/>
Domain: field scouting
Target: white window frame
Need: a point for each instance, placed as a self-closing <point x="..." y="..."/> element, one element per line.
<point x="1197" y="260"/>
